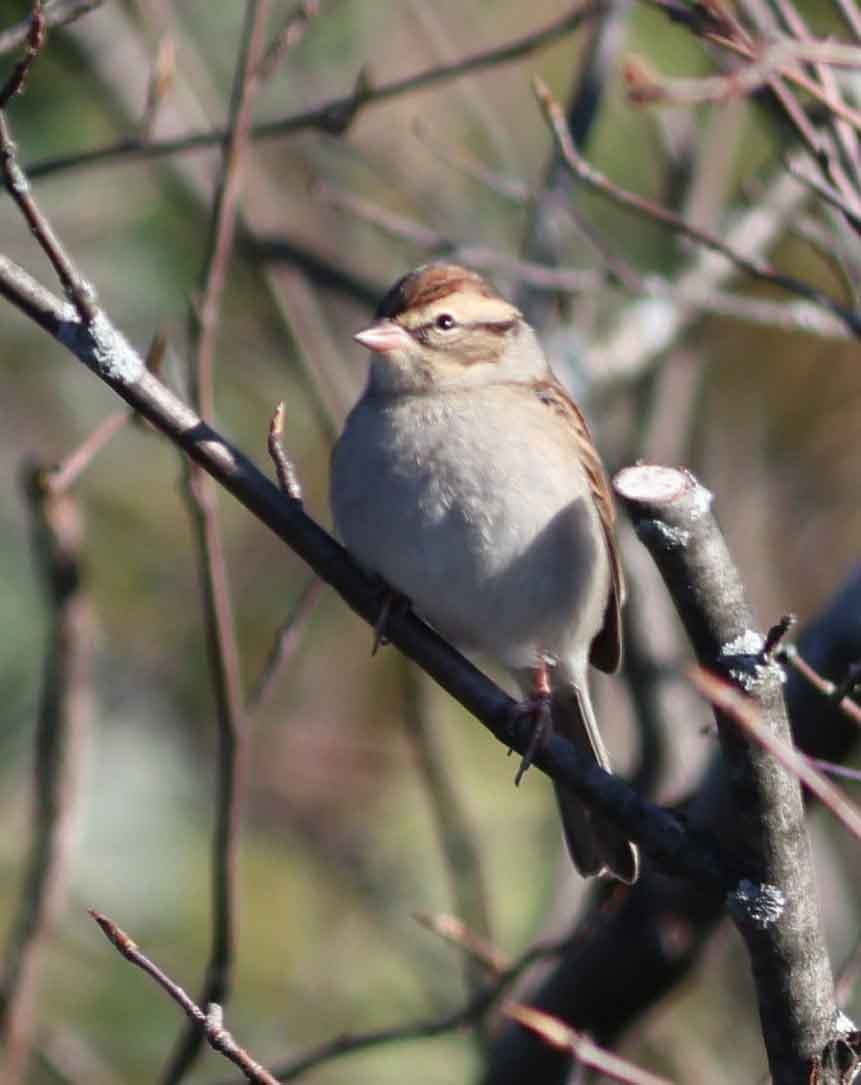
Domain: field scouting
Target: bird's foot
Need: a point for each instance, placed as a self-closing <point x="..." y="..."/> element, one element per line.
<point x="537" y="707"/>
<point x="391" y="601"/>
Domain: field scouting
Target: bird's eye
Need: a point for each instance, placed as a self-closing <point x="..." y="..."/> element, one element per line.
<point x="445" y="322"/>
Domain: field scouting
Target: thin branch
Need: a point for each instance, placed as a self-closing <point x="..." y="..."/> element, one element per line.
<point x="336" y="115"/>
<point x="452" y="929"/>
<point x="288" y="480"/>
<point x="471" y="166"/>
<point x="647" y="327"/>
<point x="60" y="731"/>
<point x="291" y="32"/>
<point x="208" y="1024"/>
<point x="847" y="975"/>
<point x="56" y="13"/>
<point x="35" y="41"/>
<point x="830" y="769"/>
<point x="286" y="642"/>
<point x="457" y="841"/>
<point x="77" y="290"/>
<point x="67" y="472"/>
<point x="161" y="80"/>
<point x="789" y="654"/>
<point x="563" y="1038"/>
<point x="541" y="243"/>
<point x="220" y="626"/>
<point x="597" y="181"/>
<point x="537" y="276"/>
<point x="743" y="710"/>
<point x="650" y="86"/>
<point x="476" y="1007"/>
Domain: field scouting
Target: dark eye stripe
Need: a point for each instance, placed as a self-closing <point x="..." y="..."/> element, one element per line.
<point x="495" y="327"/>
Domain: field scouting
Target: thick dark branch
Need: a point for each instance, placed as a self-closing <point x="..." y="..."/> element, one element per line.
<point x="640" y="951"/>
<point x="776" y="910"/>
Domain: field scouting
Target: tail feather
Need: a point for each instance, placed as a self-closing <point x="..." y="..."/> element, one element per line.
<point x="595" y="846"/>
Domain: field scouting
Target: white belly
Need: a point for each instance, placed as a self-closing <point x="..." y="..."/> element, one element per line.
<point x="487" y="527"/>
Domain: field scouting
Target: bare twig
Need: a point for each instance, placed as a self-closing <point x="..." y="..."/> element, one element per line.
<point x="847" y="975"/>
<point x="645" y="85"/>
<point x="775" y="635"/>
<point x="208" y="1024"/>
<point x="457" y="840"/>
<point x="470" y="166"/>
<point x="63" y="713"/>
<point x="831" y="769"/>
<point x="453" y="930"/>
<point x="471" y="1012"/>
<point x="850" y="682"/>
<point x="286" y="642"/>
<point x="541" y="243"/>
<point x="79" y="292"/>
<point x="66" y="473"/>
<point x="564" y="1038"/>
<point x="789" y="654"/>
<point x="647" y="327"/>
<point x="291" y="32"/>
<point x="336" y="115"/>
<point x="743" y="710"/>
<point x="160" y="81"/>
<point x="288" y="480"/>
<point x="827" y="193"/>
<point x="537" y="276"/>
<point x="35" y="41"/>
<point x="218" y="612"/>
<point x="56" y="13"/>
<point x="596" y="180"/>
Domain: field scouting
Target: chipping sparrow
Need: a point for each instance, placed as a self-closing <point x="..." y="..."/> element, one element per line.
<point x="467" y="478"/>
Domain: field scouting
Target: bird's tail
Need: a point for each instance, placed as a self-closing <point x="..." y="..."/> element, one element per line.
<point x="595" y="846"/>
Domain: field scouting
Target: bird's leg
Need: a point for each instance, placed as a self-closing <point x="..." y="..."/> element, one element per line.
<point x="537" y="705"/>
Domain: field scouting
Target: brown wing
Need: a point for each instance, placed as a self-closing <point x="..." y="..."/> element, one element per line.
<point x="606" y="653"/>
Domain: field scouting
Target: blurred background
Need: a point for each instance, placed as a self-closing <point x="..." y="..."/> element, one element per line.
<point x="341" y="841"/>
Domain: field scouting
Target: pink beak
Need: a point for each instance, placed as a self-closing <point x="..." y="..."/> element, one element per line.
<point x="383" y="336"/>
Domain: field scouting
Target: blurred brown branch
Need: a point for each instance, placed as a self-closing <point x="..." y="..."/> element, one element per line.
<point x="337" y="115"/>
<point x="561" y="1036"/>
<point x="457" y="839"/>
<point x="202" y="497"/>
<point x="734" y="705"/>
<point x="757" y="268"/>
<point x="790" y="654"/>
<point x="56" y="13"/>
<point x="64" y="712"/>
<point x="471" y="1012"/>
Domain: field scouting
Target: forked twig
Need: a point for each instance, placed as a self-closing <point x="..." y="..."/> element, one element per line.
<point x="208" y="1024"/>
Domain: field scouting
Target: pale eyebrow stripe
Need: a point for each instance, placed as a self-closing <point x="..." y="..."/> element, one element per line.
<point x="470" y="309"/>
